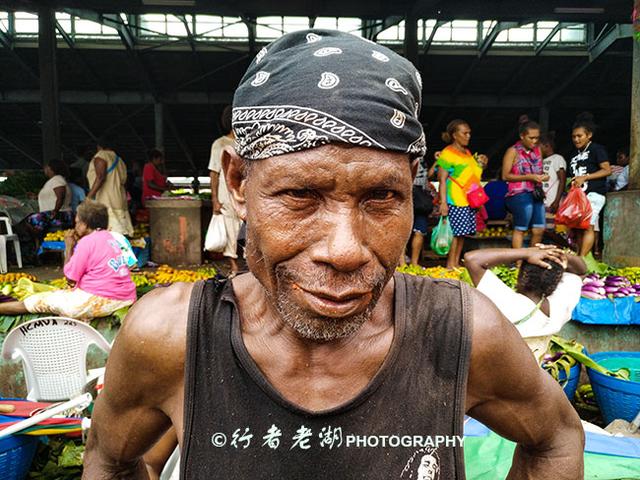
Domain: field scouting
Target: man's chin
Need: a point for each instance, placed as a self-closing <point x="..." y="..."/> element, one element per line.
<point x="326" y="329"/>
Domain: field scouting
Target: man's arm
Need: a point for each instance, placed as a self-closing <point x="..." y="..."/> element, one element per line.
<point x="101" y="175"/>
<point x="143" y="386"/>
<point x="562" y="180"/>
<point x="479" y="261"/>
<point x="514" y="397"/>
<point x="442" y="191"/>
<point x="60" y="193"/>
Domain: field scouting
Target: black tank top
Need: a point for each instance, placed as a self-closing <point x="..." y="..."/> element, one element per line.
<point x="407" y="423"/>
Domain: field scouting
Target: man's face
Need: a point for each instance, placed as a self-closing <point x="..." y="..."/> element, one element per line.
<point x="622" y="159"/>
<point x="325" y="230"/>
<point x="428" y="468"/>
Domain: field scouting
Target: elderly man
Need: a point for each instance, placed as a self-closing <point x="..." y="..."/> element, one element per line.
<point x="322" y="362"/>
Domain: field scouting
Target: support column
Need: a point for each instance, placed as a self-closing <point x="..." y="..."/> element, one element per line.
<point x="634" y="163"/>
<point x="251" y="30"/>
<point x="50" y="105"/>
<point x="158" y="110"/>
<point x="543" y="118"/>
<point x="621" y="213"/>
<point x="411" y="38"/>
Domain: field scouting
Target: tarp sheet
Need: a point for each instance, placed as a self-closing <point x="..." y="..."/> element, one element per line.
<point x="488" y="456"/>
<point x="616" y="311"/>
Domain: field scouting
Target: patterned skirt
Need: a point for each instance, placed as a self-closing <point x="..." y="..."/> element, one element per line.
<point x="43" y="222"/>
<point x="462" y="220"/>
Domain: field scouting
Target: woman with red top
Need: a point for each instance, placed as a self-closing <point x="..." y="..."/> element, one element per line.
<point x="154" y="181"/>
<point x="522" y="169"/>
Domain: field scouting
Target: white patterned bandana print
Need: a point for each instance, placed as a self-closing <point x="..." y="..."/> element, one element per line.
<point x="316" y="87"/>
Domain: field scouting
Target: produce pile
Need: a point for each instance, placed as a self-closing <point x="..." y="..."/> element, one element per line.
<point x="165" y="275"/>
<point x="56" y="236"/>
<point x="596" y="287"/>
<point x="11" y="288"/>
<point x="494" y="232"/>
<point x="436" y="272"/>
<point x="141" y="230"/>
<point x="20" y="183"/>
<point x="509" y="275"/>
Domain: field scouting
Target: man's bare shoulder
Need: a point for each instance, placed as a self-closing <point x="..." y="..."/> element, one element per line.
<point x="154" y="332"/>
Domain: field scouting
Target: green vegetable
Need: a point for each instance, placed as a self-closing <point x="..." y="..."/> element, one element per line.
<point x="71" y="455"/>
<point x="576" y="351"/>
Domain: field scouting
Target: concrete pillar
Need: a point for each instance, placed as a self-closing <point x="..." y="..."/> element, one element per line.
<point x="251" y="30"/>
<point x="622" y="215"/>
<point x="411" y="38"/>
<point x="634" y="164"/>
<point x="49" y="104"/>
<point x="158" y="110"/>
<point x="543" y="118"/>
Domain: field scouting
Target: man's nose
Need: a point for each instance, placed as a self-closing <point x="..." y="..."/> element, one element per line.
<point x="344" y="246"/>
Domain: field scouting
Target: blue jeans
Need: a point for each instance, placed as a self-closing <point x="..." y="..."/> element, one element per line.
<point x="527" y="213"/>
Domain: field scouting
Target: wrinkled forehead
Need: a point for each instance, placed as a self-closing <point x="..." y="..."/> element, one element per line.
<point x="334" y="164"/>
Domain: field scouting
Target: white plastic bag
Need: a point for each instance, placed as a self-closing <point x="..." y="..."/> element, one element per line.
<point x="216" y="238"/>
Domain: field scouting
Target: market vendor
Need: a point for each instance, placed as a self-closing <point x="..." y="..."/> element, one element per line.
<point x="321" y="361"/>
<point x="547" y="291"/>
<point x="154" y="179"/>
<point x="54" y="202"/>
<point x="107" y="175"/>
<point x="95" y="265"/>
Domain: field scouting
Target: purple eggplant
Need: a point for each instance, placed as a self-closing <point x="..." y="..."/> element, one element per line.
<point x="598" y="290"/>
<point x="592" y="295"/>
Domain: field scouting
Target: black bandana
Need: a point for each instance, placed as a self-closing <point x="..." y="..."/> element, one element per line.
<point x="314" y="87"/>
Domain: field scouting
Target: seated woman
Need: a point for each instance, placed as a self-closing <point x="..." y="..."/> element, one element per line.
<point x="95" y="266"/>
<point x="54" y="202"/>
<point x="547" y="291"/>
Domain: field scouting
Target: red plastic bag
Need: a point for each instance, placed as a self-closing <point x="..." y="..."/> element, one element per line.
<point x="575" y="210"/>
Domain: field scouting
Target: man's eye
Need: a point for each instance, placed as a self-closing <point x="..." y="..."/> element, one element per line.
<point x="382" y="195"/>
<point x="301" y="193"/>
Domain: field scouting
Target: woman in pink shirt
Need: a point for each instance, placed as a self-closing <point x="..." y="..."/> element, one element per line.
<point x="95" y="266"/>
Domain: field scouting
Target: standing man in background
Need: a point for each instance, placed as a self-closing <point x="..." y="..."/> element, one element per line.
<point x="220" y="195"/>
<point x="107" y="175"/>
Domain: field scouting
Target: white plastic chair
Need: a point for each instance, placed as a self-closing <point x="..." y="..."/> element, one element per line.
<point x="53" y="352"/>
<point x="8" y="237"/>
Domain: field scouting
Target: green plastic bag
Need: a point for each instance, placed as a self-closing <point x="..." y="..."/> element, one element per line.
<point x="441" y="237"/>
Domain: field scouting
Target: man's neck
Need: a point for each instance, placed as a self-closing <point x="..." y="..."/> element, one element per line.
<point x="313" y="375"/>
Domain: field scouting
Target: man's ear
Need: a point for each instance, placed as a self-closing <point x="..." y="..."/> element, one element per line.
<point x="234" y="168"/>
<point x="414" y="167"/>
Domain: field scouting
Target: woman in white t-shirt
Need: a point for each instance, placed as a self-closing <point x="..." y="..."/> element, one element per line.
<point x="54" y="202"/>
<point x="547" y="291"/>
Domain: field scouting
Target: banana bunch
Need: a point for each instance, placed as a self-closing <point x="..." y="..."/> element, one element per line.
<point x="166" y="274"/>
<point x="60" y="283"/>
<point x="143" y="279"/>
<point x="14" y="277"/>
<point x="56" y="236"/>
<point x="632" y="273"/>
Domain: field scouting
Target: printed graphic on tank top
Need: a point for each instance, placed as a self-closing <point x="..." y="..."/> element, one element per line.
<point x="407" y="423"/>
